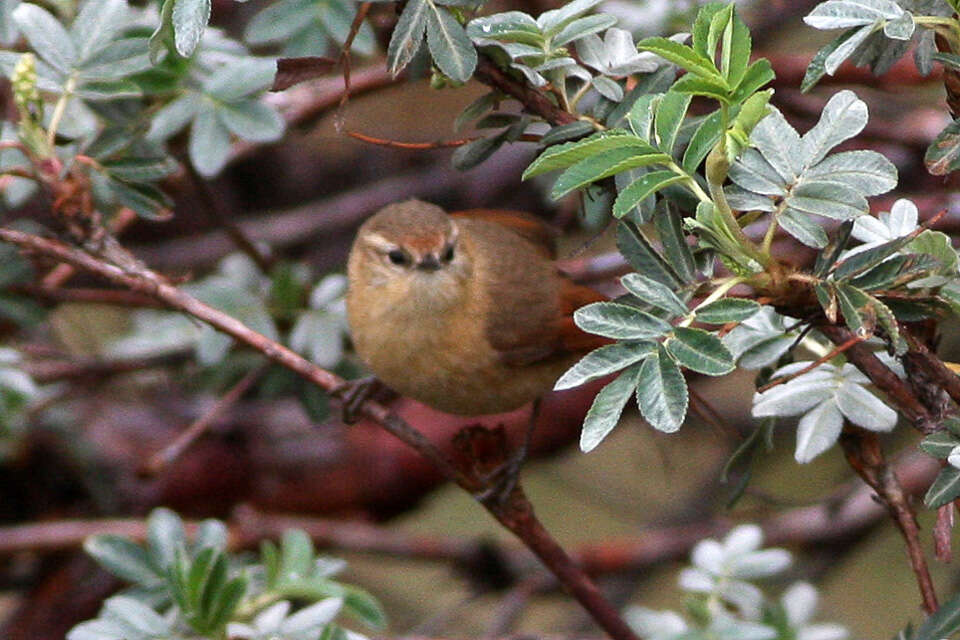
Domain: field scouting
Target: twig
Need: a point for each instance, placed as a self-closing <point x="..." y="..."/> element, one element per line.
<point x="362" y="10"/>
<point x="46" y="371"/>
<point x="934" y="366"/>
<point x="518" y="517"/>
<point x="119" y="297"/>
<point x="866" y="458"/>
<point x="862" y="356"/>
<point x="162" y="459"/>
<point x="532" y="99"/>
<point x="59" y="275"/>
<point x="426" y="146"/>
<point x="813" y="365"/>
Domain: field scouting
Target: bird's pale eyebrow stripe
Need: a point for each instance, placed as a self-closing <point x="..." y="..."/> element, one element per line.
<point x="379" y="242"/>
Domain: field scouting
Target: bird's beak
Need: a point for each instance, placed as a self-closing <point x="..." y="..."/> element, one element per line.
<point x="429" y="263"/>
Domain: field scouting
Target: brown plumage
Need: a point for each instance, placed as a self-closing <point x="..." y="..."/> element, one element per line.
<point x="466" y="312"/>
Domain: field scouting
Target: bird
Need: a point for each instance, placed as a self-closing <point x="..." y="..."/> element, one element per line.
<point x="465" y="312"/>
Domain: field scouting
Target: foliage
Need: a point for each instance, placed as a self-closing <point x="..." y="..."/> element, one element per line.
<point x="724" y="603"/>
<point x="197" y="589"/>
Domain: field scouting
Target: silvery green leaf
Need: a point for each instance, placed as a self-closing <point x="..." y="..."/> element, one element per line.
<point x="799" y="394"/>
<point x="243" y="78"/>
<point x="640" y="116"/>
<point x="604" y="361"/>
<point x="8" y="28"/>
<point x="46" y="36"/>
<point x="755" y="174"/>
<point x="531" y="76"/>
<point x="901" y="220"/>
<point x="760" y="564"/>
<point x="209" y="144"/>
<point x="619" y="321"/>
<point x="116" y="60"/>
<point x="709" y="556"/>
<point x="174" y="116"/>
<point x="697" y="579"/>
<point x="591" y="52"/>
<point x="136" y="617"/>
<point x="745" y="597"/>
<point x="96" y="24"/>
<point x="604" y="413"/>
<point x="727" y="310"/>
<point x="866" y="171"/>
<point x="79" y="121"/>
<point x="799" y="225"/>
<point x="551" y="22"/>
<point x="312" y="617"/>
<point x="407" y="35"/>
<point x="654" y="293"/>
<point x="901" y="28"/>
<point x="725" y="627"/>
<point x="98" y="629"/>
<point x="337" y="17"/>
<point x="924" y="51"/>
<point x="863" y="408"/>
<point x="583" y="27"/>
<point x="828" y="199"/>
<point x="318" y="335"/>
<point x="780" y="144"/>
<point x="799" y="603"/>
<point x="252" y="120"/>
<point x="740" y="199"/>
<point x="622" y="56"/>
<point x="840" y="14"/>
<point x="648" y="623"/>
<point x="280" y="21"/>
<point x="700" y="351"/>
<point x="944" y="489"/>
<point x="818" y="430"/>
<point x="743" y="538"/>
<point x="843" y="117"/>
<point x="111" y="90"/>
<point x="509" y="26"/>
<point x="760" y="340"/>
<point x="662" y="392"/>
<point x="847" y="47"/>
<point x="638" y="192"/>
<point x="449" y="45"/>
<point x="608" y="88"/>
<point x="940" y="444"/>
<point x="556" y="63"/>
<point x="190" y="18"/>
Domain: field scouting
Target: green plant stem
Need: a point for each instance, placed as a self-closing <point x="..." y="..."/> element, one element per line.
<point x="715" y="295"/>
<point x="59" y="110"/>
<point x="717" y="168"/>
<point x="690" y="182"/>
<point x="771" y="232"/>
<point x="948" y="27"/>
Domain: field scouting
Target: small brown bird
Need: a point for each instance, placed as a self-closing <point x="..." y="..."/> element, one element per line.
<point x="464" y="312"/>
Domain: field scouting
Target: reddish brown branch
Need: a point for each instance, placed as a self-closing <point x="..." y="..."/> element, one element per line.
<point x="933" y="366"/>
<point x="119" y="297"/>
<point x="866" y="458"/>
<point x="899" y="392"/>
<point x="840" y="348"/>
<point x="533" y="100"/>
<point x="426" y="146"/>
<point x="162" y="459"/>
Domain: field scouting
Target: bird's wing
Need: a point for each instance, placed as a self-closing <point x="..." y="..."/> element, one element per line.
<point x="528" y="227"/>
<point x="528" y="344"/>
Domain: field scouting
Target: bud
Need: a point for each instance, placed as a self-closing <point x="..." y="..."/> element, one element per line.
<point x="24" y="81"/>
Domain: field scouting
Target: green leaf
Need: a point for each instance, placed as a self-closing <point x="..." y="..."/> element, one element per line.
<point x="944" y="490"/>
<point x="945" y="621"/>
<point x="407" y="35"/>
<point x="603" y="362"/>
<point x="569" y="153"/>
<point x="940" y="444"/>
<point x="683" y="56"/>
<point x="670" y="114"/>
<point x="189" y="20"/>
<point x="643" y="257"/>
<point x="943" y="154"/>
<point x="861" y="262"/>
<point x="96" y="24"/>
<point x="828" y="199"/>
<point x="703" y="140"/>
<point x="662" y="392"/>
<point x="817" y="67"/>
<point x="799" y="225"/>
<point x="225" y="602"/>
<point x="619" y="321"/>
<point x="122" y="558"/>
<point x="449" y="45"/>
<point x="174" y="116"/>
<point x="700" y="351"/>
<point x="146" y="200"/>
<point x="757" y="74"/>
<point x="509" y="26"/>
<point x="476" y="151"/>
<point x="853" y="304"/>
<point x="583" y="27"/>
<point x="252" y="120"/>
<point x="736" y="50"/>
<point x="165" y="536"/>
<point x="46" y="36"/>
<point x="297" y="554"/>
<point x="867" y="172"/>
<point x="553" y="21"/>
<point x="141" y="169"/>
<point x="607" y="407"/>
<point x="642" y="188"/>
<point x="117" y="60"/>
<point x="565" y="132"/>
<point x="240" y="79"/>
<point x="727" y="310"/>
<point x="602" y="166"/>
<point x="828" y="257"/>
<point x="654" y="293"/>
<point x="209" y="145"/>
<point x="701" y="29"/>
<point x="669" y="224"/>
<point x="697" y="86"/>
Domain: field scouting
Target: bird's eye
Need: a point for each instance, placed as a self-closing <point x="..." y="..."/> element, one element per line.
<point x="398" y="257"/>
<point x="448" y="253"/>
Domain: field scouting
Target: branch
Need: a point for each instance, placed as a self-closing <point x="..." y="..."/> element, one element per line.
<point x="519" y="518"/>
<point x="898" y="391"/>
<point x="533" y="100"/>
<point x="866" y="457"/>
